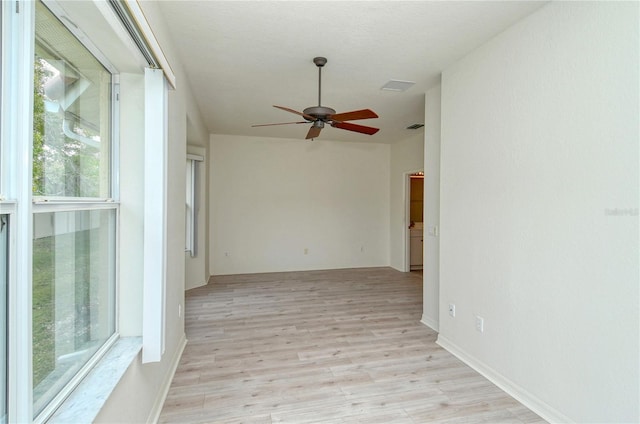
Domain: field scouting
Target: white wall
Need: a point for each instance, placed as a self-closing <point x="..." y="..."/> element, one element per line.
<point x="273" y="198"/>
<point x="197" y="268"/>
<point x="139" y="395"/>
<point x="431" y="273"/>
<point x="407" y="156"/>
<point x="539" y="146"/>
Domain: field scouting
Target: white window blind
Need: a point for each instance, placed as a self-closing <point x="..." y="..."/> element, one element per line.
<point x="155" y="183"/>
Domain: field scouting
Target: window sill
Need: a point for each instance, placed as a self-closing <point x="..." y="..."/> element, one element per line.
<point x="84" y="403"/>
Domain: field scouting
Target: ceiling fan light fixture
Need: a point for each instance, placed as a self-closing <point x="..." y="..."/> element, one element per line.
<point x="397" y="85"/>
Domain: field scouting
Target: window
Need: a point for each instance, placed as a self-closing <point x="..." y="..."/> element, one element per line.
<point x="74" y="221"/>
<point x="192" y="204"/>
<point x="73" y="295"/>
<point x="59" y="212"/>
<point x="72" y="106"/>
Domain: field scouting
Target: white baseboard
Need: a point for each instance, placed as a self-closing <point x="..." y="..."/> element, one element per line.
<point x="154" y="415"/>
<point x="195" y="285"/>
<point x="430" y="322"/>
<point x="532" y="402"/>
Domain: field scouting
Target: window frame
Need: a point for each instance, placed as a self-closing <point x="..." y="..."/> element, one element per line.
<point x="17" y="200"/>
<point x="15" y="181"/>
<point x="47" y="204"/>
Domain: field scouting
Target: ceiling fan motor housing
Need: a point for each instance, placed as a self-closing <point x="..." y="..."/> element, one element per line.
<point x="319" y="112"/>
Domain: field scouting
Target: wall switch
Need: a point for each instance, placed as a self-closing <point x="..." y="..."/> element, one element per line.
<point x="306" y="251"/>
<point x="433" y="230"/>
<point x="452" y="309"/>
<point x="480" y="324"/>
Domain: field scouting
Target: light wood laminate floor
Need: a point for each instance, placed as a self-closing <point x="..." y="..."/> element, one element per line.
<point x="338" y="346"/>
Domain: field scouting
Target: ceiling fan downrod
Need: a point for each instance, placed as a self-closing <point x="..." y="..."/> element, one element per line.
<point x="322" y="113"/>
<point x="320" y="62"/>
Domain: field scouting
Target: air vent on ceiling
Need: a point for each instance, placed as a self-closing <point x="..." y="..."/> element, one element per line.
<point x="397" y="85"/>
<point x="415" y="126"/>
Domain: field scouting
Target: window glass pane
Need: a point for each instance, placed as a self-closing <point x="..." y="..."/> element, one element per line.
<point x="73" y="295"/>
<point x="4" y="230"/>
<point x="189" y="208"/>
<point x="72" y="108"/>
<point x="4" y="220"/>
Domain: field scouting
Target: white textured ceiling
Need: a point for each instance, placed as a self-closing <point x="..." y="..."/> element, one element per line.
<point x="242" y="57"/>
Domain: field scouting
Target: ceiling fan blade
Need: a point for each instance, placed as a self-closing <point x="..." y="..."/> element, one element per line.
<point x="314" y="132"/>
<point x="304" y="115"/>
<point x="355" y="127"/>
<point x="280" y="123"/>
<point x="354" y="115"/>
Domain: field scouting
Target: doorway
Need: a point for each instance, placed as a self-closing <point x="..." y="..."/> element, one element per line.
<point x="414" y="212"/>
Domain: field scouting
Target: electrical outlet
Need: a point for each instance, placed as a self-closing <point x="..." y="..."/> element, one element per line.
<point x="479" y="323"/>
<point x="227" y="254"/>
<point x="452" y="309"/>
<point x="306" y="250"/>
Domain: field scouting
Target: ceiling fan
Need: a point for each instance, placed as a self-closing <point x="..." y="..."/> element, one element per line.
<point x="320" y="115"/>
